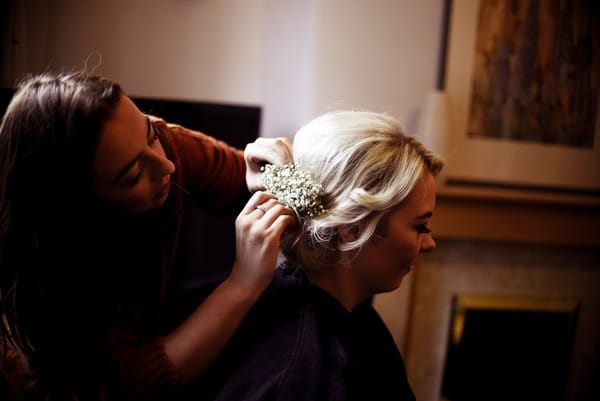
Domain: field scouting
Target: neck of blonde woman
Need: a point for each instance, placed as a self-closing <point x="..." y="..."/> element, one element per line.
<point x="340" y="282"/>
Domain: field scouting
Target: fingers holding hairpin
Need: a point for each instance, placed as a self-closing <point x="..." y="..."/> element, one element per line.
<point x="277" y="151"/>
<point x="257" y="199"/>
<point x="266" y="207"/>
<point x="259" y="228"/>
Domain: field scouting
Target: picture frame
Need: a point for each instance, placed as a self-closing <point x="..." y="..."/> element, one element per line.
<point x="501" y="161"/>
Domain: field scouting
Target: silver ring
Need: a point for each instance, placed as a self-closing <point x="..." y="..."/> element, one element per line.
<point x="261" y="208"/>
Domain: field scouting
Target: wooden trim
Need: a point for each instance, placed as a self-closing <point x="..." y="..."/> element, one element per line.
<point x="517" y="195"/>
<point x="516" y="215"/>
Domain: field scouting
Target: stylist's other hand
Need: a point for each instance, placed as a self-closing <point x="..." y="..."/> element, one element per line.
<point x="277" y="151"/>
<point x="258" y="230"/>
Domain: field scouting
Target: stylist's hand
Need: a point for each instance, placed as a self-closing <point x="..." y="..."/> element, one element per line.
<point x="258" y="231"/>
<point x="277" y="151"/>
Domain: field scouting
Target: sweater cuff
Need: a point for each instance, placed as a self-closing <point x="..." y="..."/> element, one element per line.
<point x="150" y="373"/>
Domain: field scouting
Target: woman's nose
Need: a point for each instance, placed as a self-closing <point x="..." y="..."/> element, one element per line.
<point x="167" y="166"/>
<point x="428" y="243"/>
<point x="162" y="166"/>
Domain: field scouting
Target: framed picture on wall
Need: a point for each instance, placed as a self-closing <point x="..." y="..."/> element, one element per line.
<point x="522" y="80"/>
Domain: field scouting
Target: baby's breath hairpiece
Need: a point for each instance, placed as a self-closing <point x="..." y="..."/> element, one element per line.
<point x="295" y="188"/>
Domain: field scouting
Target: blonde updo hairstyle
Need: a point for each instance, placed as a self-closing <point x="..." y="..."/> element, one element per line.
<point x="367" y="166"/>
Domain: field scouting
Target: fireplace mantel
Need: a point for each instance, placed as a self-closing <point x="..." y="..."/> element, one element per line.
<point x="516" y="215"/>
<point x="500" y="242"/>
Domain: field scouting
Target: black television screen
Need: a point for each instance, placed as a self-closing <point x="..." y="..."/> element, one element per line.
<point x="5" y="95"/>
<point x="235" y="124"/>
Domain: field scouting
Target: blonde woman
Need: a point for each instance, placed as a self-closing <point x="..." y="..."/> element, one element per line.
<point x="364" y="193"/>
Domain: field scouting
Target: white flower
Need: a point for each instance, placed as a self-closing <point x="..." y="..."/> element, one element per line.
<point x="295" y="188"/>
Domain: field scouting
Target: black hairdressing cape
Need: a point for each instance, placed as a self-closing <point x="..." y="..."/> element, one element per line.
<point x="299" y="343"/>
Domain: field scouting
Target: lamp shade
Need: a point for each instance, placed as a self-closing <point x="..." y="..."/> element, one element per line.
<point x="433" y="123"/>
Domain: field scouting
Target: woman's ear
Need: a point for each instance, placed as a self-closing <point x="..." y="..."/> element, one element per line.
<point x="350" y="232"/>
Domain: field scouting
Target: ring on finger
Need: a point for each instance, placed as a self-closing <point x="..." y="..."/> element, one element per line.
<point x="261" y="208"/>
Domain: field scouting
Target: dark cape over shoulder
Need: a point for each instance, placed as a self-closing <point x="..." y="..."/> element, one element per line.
<point x="299" y="343"/>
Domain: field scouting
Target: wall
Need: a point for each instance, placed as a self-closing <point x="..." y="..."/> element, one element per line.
<point x="296" y="58"/>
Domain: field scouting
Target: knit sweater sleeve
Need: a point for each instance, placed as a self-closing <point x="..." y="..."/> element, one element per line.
<point x="208" y="170"/>
<point x="137" y="372"/>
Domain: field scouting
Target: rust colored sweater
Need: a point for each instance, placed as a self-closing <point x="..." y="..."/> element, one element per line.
<point x="214" y="175"/>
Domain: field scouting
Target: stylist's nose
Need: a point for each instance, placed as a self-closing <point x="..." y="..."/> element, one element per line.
<point x="167" y="166"/>
<point x="162" y="166"/>
<point x="428" y="243"/>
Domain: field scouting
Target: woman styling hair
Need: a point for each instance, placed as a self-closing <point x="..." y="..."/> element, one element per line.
<point x="364" y="193"/>
<point x="91" y="201"/>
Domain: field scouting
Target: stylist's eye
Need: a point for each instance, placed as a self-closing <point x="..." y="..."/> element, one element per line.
<point x="135" y="179"/>
<point x="155" y="136"/>
<point x="423" y="229"/>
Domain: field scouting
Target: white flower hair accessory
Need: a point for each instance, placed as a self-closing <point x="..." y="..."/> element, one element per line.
<point x="295" y="188"/>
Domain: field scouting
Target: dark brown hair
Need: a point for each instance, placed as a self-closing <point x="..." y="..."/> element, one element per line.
<point x="48" y="136"/>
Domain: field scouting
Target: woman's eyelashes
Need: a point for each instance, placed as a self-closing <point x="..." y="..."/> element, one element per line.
<point x="135" y="179"/>
<point x="153" y="139"/>
<point x="155" y="136"/>
<point x="140" y="170"/>
<point x="423" y="229"/>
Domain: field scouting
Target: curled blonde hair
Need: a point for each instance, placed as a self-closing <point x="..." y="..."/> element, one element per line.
<point x="366" y="165"/>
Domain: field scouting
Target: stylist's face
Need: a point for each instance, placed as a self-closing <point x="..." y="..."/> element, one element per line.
<point x="131" y="171"/>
